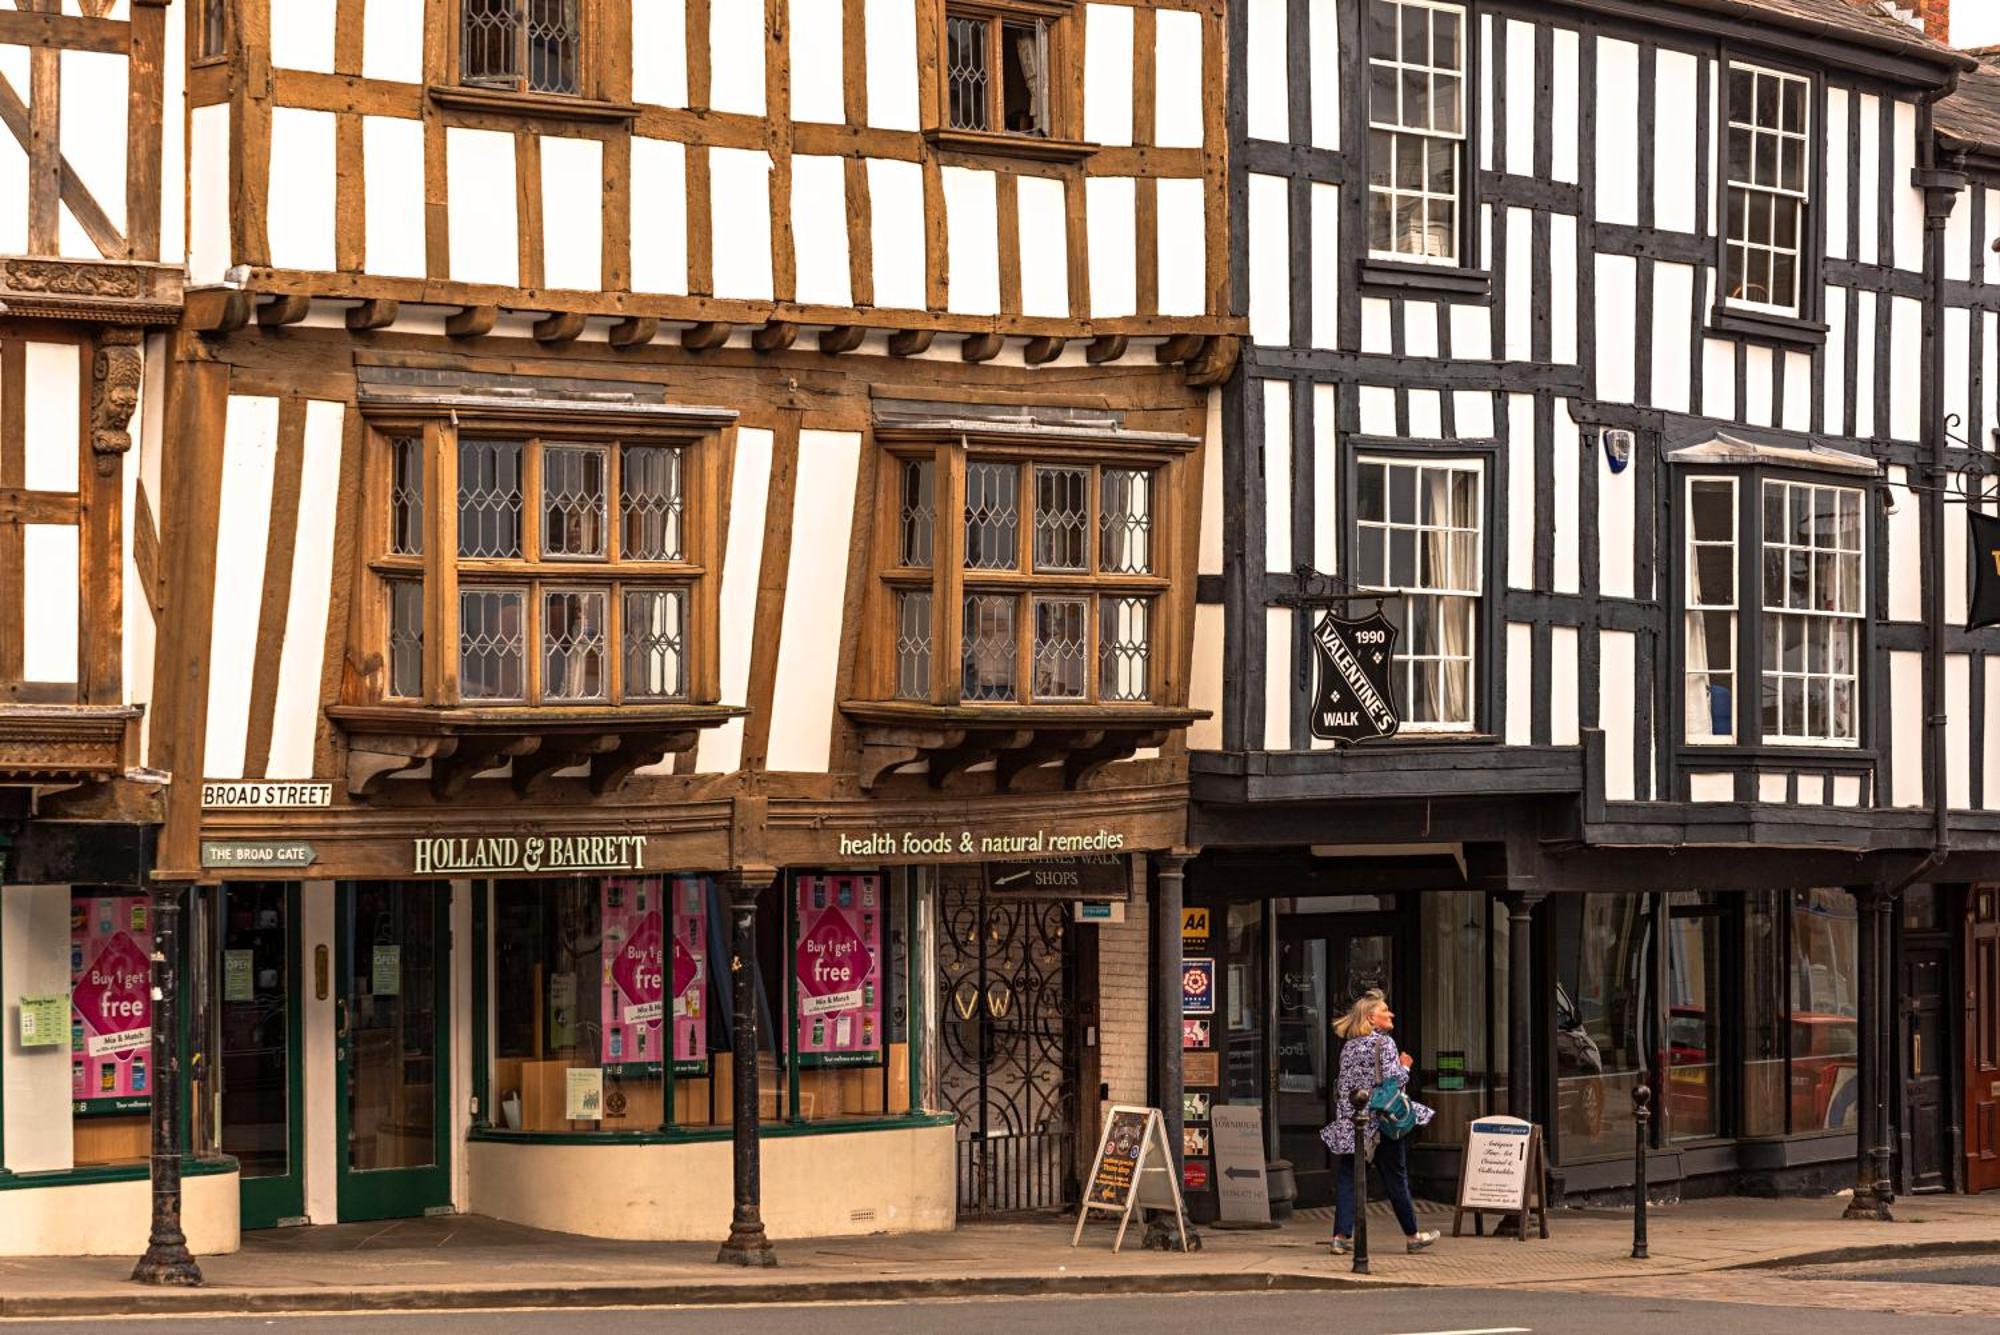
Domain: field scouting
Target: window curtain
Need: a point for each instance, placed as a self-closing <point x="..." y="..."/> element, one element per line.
<point x="1030" y="45"/>
<point x="1451" y="567"/>
<point x="1700" y="716"/>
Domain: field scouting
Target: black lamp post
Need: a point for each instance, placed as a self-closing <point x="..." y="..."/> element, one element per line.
<point x="167" y="1259"/>
<point x="747" y="1245"/>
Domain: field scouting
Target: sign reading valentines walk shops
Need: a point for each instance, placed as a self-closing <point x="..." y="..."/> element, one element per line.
<point x="643" y="966"/>
<point x="837" y="970"/>
<point x="111" y="1003"/>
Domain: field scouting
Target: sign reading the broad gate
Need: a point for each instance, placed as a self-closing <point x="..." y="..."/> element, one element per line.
<point x="1352" y="699"/>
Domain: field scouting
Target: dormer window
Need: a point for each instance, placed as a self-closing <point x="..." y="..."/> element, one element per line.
<point x="532" y="46"/>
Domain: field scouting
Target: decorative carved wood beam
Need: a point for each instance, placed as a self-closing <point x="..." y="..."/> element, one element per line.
<point x="1082" y="766"/>
<point x="376" y="313"/>
<point x="977" y="747"/>
<point x="609" y="771"/>
<point x="775" y="336"/>
<point x="981" y="347"/>
<point x="474" y="756"/>
<point x="559" y="327"/>
<point x="283" y="311"/>
<point x="842" y="338"/>
<point x="634" y="331"/>
<point x="533" y="772"/>
<point x="910" y="342"/>
<point x="472" y="321"/>
<point x="374" y="758"/>
<point x="1042" y="351"/>
<point x="706" y="336"/>
<point x="1216" y="363"/>
<point x="1048" y="746"/>
<point x="1179" y="348"/>
<point x="1105" y="348"/>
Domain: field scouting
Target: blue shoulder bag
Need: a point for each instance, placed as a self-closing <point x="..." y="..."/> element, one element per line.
<point x="1394" y="1117"/>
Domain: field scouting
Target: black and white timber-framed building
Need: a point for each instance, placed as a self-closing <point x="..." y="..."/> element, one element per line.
<point x="1631" y="353"/>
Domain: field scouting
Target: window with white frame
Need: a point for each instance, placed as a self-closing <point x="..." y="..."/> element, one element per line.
<point x="1812" y="580"/>
<point x="1418" y="537"/>
<point x="1710" y="647"/>
<point x="1416" y="129"/>
<point x="1767" y="157"/>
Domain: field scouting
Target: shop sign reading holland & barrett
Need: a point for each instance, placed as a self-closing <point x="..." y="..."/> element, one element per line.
<point x="533" y="853"/>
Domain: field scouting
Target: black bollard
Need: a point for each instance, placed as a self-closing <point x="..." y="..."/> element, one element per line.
<point x="1642" y="1118"/>
<point x="1360" y="1100"/>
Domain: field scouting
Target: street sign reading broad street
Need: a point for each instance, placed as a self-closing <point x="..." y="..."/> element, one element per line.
<point x="1353" y="701"/>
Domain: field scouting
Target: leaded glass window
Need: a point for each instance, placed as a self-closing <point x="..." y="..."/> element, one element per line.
<point x="656" y="644"/>
<point x="990" y="647"/>
<point x="574" y="494"/>
<point x="573" y="636"/>
<point x="1062" y="648"/>
<point x="489" y="498"/>
<point x="918" y="496"/>
<point x="492" y="643"/>
<point x="523" y="45"/>
<point x="1125" y="643"/>
<point x="1125" y="521"/>
<point x="653" y="503"/>
<point x="406" y="496"/>
<point x="406" y="638"/>
<point x="992" y="516"/>
<point x="913" y="644"/>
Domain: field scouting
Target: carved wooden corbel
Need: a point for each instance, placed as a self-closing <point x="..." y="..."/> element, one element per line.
<point x="114" y="396"/>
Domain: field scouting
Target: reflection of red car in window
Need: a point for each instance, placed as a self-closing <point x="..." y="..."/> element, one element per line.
<point x="1823" y="1066"/>
<point x="1689" y="1074"/>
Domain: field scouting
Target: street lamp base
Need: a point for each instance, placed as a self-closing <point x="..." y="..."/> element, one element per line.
<point x="168" y="1265"/>
<point x="1868" y="1207"/>
<point x="749" y="1249"/>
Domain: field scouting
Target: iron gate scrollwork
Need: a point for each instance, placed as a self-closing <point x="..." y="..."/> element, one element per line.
<point x="1009" y="1016"/>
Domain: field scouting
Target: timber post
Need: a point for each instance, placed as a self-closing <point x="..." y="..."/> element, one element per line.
<point x="167" y="1260"/>
<point x="746" y="1245"/>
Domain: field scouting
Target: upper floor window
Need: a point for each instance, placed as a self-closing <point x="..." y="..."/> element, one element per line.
<point x="212" y="36"/>
<point x="1768" y="153"/>
<point x="1416" y="129"/>
<point x="521" y="45"/>
<point x="1418" y="528"/>
<point x="1710" y="659"/>
<point x="571" y="576"/>
<point x="1052" y="582"/>
<point x="997" y="56"/>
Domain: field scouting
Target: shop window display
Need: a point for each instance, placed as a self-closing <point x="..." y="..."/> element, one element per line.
<point x="1824" y="997"/>
<point x="1603" y="992"/>
<point x="111" y="1025"/>
<point x="1462" y="1012"/>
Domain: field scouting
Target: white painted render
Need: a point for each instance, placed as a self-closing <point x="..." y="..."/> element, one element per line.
<point x="1107" y="75"/>
<point x="802" y="704"/>
<point x="1112" y="213"/>
<point x="243" y="522"/>
<point x="740" y="209"/>
<point x="972" y="230"/>
<point x="300" y="208"/>
<point x="819" y="231"/>
<point x="572" y="213"/>
<point x="484" y="228"/>
<point x="659" y="216"/>
<point x="295" y="717"/>
<point x="720" y="750"/>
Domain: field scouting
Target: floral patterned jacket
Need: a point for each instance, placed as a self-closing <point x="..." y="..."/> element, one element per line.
<point x="1364" y="1064"/>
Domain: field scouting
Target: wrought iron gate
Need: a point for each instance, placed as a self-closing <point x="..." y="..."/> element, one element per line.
<point x="1006" y="979"/>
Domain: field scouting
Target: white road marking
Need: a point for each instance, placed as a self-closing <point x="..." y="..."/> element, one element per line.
<point x="1483" y="1330"/>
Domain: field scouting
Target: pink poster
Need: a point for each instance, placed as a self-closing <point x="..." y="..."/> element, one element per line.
<point x="838" y="970"/>
<point x="111" y="1004"/>
<point x="641" y="964"/>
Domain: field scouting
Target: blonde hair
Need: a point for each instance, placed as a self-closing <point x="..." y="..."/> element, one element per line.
<point x="1359" y="1022"/>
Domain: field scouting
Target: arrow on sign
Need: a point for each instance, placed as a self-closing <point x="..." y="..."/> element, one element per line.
<point x="1239" y="1172"/>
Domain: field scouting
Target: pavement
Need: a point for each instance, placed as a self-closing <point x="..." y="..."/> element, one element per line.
<point x="473" y="1263"/>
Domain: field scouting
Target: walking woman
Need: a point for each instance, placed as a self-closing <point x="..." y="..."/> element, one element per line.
<point x="1368" y="1058"/>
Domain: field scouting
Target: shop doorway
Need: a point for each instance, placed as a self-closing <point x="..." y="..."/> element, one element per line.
<point x="1924" y="1033"/>
<point x="257" y="1042"/>
<point x="392" y="1014"/>
<point x="1325" y="961"/>
<point x="1008" y="1020"/>
<point x="1982" y="1041"/>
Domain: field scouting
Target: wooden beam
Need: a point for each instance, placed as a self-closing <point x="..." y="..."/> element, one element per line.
<point x="705" y="336"/>
<point x="376" y="313"/>
<point x="841" y="338"/>
<point x="981" y="347"/>
<point x="634" y="331"/>
<point x="218" y="310"/>
<point x="1041" y="351"/>
<point x="472" y="321"/>
<point x="1105" y="348"/>
<point x="560" y="327"/>
<point x="1179" y="348"/>
<point x="910" y="342"/>
<point x="775" y="336"/>
<point x="283" y="311"/>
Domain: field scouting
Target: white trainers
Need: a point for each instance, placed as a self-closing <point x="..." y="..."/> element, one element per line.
<point x="1419" y="1241"/>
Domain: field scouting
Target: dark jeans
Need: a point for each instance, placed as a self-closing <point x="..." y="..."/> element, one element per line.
<point x="1392" y="1165"/>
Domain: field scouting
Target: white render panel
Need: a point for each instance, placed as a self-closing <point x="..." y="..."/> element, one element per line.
<point x="1567" y="521"/>
<point x="1795" y="413"/>
<point x="1566" y="97"/>
<point x="302" y="36"/>
<point x="1958" y="240"/>
<point x="1992" y="235"/>
<point x="1617" y="300"/>
<point x="208" y="193"/>
<point x="1270" y="260"/>
<point x="1378" y="326"/>
<point x="1617" y="126"/>
<point x="736" y="58"/>
<point x="1812" y="790"/>
<point x="1847" y="790"/>
<point x="1277" y="679"/>
<point x="1757" y="384"/>
<point x="1906" y="728"/>
<point x="51" y="416"/>
<point x="1863" y="342"/>
<point x="1712" y="787"/>
<point x="1563" y="727"/>
<point x="1177" y="118"/>
<point x="1835" y="403"/>
<point x="173" y="151"/>
<point x="1325" y="270"/>
<point x="1426" y="414"/>
<point x="1906" y="600"/>
<point x="1520" y="683"/>
<point x="1958" y="366"/>
<point x="242" y="531"/>
<point x="295" y="716"/>
<point x="1989" y="796"/>
<point x="1112" y="228"/>
<point x="1909" y="200"/>
<point x="572" y="213"/>
<point x="1868" y="174"/>
<point x="1208" y="559"/>
<point x="1617" y="510"/>
<point x="1183" y="243"/>
<point x="1618" y="672"/>
<point x="817" y="62"/>
<point x="1956" y="564"/>
<point x="1043" y="226"/>
<point x="1520" y="284"/>
<point x="1562" y="289"/>
<point x="1677" y="85"/>
<point x="1771" y="787"/>
<point x="1521" y="519"/>
<point x="1420" y="329"/>
<point x="1265" y="71"/>
<point x="1486" y="93"/>
<point x="1473" y="410"/>
<point x="1471" y="333"/>
<point x="479" y="172"/>
<point x="51" y="601"/>
<point x="891" y="26"/>
<point x="973" y="242"/>
<point x="392" y="163"/>
<point x="1278" y="476"/>
<point x="1376" y="406"/>
<point x="14" y="164"/>
<point x="1958" y="739"/>
<point x="1520" y="98"/>
<point x="659" y="216"/>
<point x="1673" y="344"/>
<point x="1989" y="374"/>
<point x="896" y="229"/>
<point x="1323" y="73"/>
<point x="815" y="593"/>
<point x="1326" y="479"/>
<point x="1834" y="151"/>
<point x="392" y="37"/>
<point x="92" y="110"/>
<point x="1107" y="74"/>
<point x="1906" y="315"/>
<point x="1205" y="678"/>
<point x="819" y="231"/>
<point x="720" y="750"/>
<point x="1718" y="378"/>
<point x="740" y="211"/>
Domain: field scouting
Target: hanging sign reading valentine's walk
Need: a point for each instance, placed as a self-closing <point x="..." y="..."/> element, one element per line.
<point x="111" y="1003"/>
<point x="1352" y="699"/>
<point x="1983" y="535"/>
<point x="837" y="970"/>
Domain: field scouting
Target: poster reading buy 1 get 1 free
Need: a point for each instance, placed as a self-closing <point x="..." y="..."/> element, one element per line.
<point x="838" y="970"/>
<point x="111" y="1004"/>
<point x="642" y="966"/>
